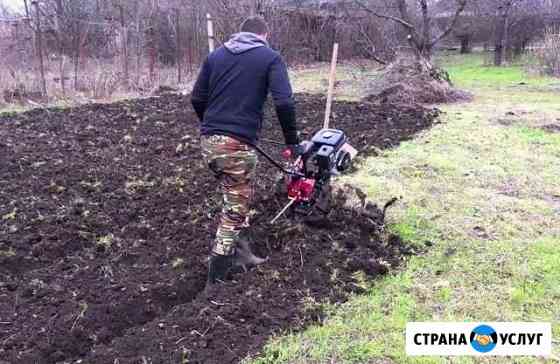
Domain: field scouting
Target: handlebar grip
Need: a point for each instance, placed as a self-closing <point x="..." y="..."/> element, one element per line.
<point x="287" y="153"/>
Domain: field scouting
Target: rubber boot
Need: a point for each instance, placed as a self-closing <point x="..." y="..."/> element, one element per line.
<point x="218" y="267"/>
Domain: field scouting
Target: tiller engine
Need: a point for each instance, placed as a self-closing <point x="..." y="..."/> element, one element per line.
<point x="308" y="178"/>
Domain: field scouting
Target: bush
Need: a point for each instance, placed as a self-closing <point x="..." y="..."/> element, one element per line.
<point x="547" y="53"/>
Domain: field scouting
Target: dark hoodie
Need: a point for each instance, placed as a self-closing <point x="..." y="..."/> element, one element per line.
<point x="232" y="87"/>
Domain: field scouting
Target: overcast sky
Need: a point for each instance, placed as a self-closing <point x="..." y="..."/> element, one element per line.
<point x="12" y="4"/>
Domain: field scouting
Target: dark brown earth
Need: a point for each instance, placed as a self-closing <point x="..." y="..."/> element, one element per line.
<point x="106" y="216"/>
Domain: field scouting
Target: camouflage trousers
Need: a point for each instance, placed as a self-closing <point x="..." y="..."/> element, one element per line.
<point x="233" y="163"/>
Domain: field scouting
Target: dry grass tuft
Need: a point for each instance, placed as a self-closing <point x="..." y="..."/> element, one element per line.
<point x="98" y="80"/>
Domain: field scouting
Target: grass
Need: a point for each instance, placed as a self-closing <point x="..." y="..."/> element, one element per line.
<point x="481" y="191"/>
<point x="474" y="71"/>
<point x="96" y="81"/>
<point x="7" y="110"/>
<point x="353" y="79"/>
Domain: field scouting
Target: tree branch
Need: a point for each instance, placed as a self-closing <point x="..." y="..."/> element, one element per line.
<point x="461" y="6"/>
<point x="402" y="22"/>
<point x="370" y="44"/>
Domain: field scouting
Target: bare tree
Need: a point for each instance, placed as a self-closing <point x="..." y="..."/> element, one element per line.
<point x="143" y="42"/>
<point x="153" y="37"/>
<point x="419" y="31"/>
<point x="515" y="23"/>
<point x="139" y="31"/>
<point x="502" y="16"/>
<point x="527" y="22"/>
<point x="178" y="45"/>
<point x="124" y="44"/>
<point x="26" y="7"/>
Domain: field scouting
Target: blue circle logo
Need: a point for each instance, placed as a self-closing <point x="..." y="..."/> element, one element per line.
<point x="484" y="339"/>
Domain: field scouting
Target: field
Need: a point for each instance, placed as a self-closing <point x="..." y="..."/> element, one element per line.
<point x="481" y="192"/>
<point x="107" y="214"/>
<point x="106" y="219"/>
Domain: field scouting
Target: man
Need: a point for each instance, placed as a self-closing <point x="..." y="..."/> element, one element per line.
<point x="228" y="98"/>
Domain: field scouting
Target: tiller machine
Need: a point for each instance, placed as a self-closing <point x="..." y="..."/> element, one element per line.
<point x="307" y="181"/>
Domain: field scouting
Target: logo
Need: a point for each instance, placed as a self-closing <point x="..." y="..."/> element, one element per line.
<point x="483" y="338"/>
<point x="479" y="339"/>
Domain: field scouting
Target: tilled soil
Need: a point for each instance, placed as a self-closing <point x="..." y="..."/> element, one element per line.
<point x="106" y="216"/>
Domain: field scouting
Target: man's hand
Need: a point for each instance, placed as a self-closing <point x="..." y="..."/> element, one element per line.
<point x="293" y="151"/>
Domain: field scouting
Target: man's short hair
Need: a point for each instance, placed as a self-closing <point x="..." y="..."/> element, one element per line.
<point x="255" y="24"/>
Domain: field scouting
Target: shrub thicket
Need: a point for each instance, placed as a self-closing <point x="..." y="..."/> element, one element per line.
<point x="547" y="53"/>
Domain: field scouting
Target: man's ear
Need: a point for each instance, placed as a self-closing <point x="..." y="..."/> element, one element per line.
<point x="265" y="36"/>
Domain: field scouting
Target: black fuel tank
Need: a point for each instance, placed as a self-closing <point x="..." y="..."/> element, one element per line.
<point x="332" y="137"/>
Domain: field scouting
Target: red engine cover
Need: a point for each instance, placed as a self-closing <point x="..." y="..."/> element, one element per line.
<point x="301" y="189"/>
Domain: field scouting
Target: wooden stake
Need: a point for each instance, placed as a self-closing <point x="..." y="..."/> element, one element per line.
<point x="332" y="79"/>
<point x="61" y="61"/>
<point x="179" y="52"/>
<point x="38" y="31"/>
<point x="210" y="33"/>
<point x="124" y="45"/>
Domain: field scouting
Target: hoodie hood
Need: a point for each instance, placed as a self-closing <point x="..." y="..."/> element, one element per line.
<point x="243" y="42"/>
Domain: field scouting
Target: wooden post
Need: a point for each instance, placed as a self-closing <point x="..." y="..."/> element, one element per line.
<point x="15" y="33"/>
<point x="155" y="44"/>
<point x="138" y="46"/>
<point x="61" y="60"/>
<point x="124" y="45"/>
<point x="193" y="39"/>
<point x="211" y="45"/>
<point x="332" y="79"/>
<point x="179" y="54"/>
<point x="35" y="3"/>
<point x="26" y="9"/>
